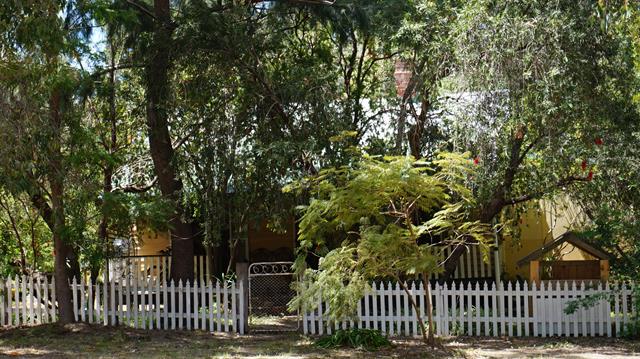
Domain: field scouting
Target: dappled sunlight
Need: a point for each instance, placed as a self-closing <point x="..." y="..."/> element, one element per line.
<point x="82" y="340"/>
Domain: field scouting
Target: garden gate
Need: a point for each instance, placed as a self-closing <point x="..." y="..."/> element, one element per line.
<point x="269" y="294"/>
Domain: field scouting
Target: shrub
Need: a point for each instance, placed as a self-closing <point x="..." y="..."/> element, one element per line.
<point x="367" y="339"/>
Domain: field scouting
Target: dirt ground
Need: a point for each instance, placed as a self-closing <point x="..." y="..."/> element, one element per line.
<point x="84" y="341"/>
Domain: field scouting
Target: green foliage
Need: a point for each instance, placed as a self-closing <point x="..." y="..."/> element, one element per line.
<point x="389" y="216"/>
<point x="367" y="339"/>
<point x="263" y="95"/>
<point x="538" y="83"/>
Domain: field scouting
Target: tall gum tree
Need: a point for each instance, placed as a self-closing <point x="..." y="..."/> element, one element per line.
<point x="162" y="151"/>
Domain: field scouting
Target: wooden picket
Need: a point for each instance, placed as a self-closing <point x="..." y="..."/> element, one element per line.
<point x="475" y="309"/>
<point x="145" y="303"/>
<point x="487" y="309"/>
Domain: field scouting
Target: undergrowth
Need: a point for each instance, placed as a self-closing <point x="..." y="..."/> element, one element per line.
<point x="366" y="339"/>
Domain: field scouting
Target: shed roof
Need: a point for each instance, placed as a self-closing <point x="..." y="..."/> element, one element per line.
<point x="568" y="237"/>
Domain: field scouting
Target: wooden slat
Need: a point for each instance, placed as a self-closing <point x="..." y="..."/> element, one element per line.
<point x="173" y="301"/>
<point x="234" y="315"/>
<point x="422" y="298"/>
<point x="165" y="303"/>
<point x="156" y="294"/>
<point x="241" y="306"/>
<point x="10" y="311"/>
<point x="3" y="298"/>
<point x="180" y="306"/>
<point x="23" y="301"/>
<point x="218" y="307"/>
<point x="112" y="301"/>
<point x="414" y="314"/>
<point x="211" y="305"/>
<point x="29" y="300"/>
<point x="120" y="302"/>
<point x="188" y="307"/>
<point x="38" y="300"/>
<point x="143" y="300"/>
<point x="225" y="304"/>
<point x="136" y="301"/>
<point x="196" y="305"/>
<point x="203" y="303"/>
<point x="383" y="308"/>
<point x="497" y="308"/>
<point x="54" y="314"/>
<point x="96" y="302"/>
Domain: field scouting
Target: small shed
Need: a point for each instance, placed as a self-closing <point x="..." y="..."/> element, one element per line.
<point x="589" y="269"/>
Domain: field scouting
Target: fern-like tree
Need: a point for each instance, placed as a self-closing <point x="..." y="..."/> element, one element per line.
<point x="392" y="216"/>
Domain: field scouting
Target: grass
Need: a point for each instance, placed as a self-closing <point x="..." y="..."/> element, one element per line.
<point x="94" y="341"/>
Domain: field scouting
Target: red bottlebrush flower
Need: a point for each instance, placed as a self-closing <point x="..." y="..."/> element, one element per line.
<point x="584" y="165"/>
<point x="599" y="141"/>
<point x="590" y="176"/>
<point x="476" y="160"/>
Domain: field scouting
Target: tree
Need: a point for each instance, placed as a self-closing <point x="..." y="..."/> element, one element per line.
<point x="424" y="41"/>
<point x="374" y="207"/>
<point x="542" y="81"/>
<point x="610" y="199"/>
<point x="37" y="98"/>
<point x="160" y="143"/>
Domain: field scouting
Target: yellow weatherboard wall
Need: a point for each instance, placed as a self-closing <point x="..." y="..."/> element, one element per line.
<point x="541" y="223"/>
<point x="152" y="243"/>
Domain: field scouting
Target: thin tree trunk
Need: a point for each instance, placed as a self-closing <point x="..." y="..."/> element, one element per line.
<point x="162" y="153"/>
<point x="416" y="309"/>
<point x="417" y="130"/>
<point x="14" y="225"/>
<point x="429" y="309"/>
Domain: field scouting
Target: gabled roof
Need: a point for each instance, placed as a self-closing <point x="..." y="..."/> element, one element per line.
<point x="568" y="237"/>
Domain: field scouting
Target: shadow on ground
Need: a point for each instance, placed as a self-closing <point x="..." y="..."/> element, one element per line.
<point x="94" y="341"/>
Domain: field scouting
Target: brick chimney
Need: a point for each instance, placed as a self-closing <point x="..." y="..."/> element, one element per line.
<point x="402" y="74"/>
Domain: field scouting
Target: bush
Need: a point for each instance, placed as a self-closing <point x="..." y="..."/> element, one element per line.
<point x="367" y="339"/>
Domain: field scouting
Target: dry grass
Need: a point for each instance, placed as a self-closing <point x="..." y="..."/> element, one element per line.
<point x="89" y="341"/>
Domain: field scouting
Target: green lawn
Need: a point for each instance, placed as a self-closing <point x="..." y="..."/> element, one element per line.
<point x="81" y="340"/>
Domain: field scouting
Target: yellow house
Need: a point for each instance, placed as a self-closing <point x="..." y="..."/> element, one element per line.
<point x="262" y="244"/>
<point x="151" y="243"/>
<point x="544" y="223"/>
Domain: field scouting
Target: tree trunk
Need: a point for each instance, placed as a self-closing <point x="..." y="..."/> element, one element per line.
<point x="429" y="309"/>
<point x="56" y="181"/>
<point x="416" y="133"/>
<point x="110" y="145"/>
<point x="486" y="215"/>
<point x="413" y="303"/>
<point x="16" y="231"/>
<point x="490" y="209"/>
<point x="162" y="153"/>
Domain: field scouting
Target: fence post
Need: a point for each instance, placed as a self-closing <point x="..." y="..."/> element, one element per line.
<point x="242" y="275"/>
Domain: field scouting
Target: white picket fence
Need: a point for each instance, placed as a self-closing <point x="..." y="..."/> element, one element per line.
<point x="146" y="304"/>
<point x="512" y="309"/>
<point x="153" y="267"/>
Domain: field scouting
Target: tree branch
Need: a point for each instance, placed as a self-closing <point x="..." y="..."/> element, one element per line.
<point x="563" y="182"/>
<point x="142" y="8"/>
